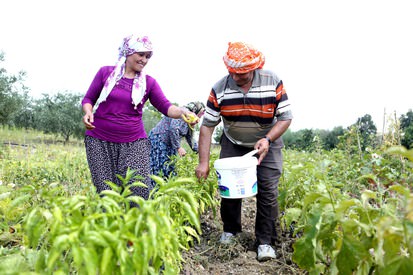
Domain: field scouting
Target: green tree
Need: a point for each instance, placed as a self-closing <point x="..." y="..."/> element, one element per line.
<point x="350" y="142"/>
<point x="392" y="132"/>
<point x="358" y="137"/>
<point x="367" y="131"/>
<point x="150" y="116"/>
<point x="305" y="140"/>
<point x="60" y="114"/>
<point x="406" y="125"/>
<point x="24" y="118"/>
<point x="330" y="139"/>
<point x="13" y="93"/>
<point x="289" y="139"/>
<point x="299" y="140"/>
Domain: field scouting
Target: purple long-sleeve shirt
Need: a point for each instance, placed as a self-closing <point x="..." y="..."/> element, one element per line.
<point x="116" y="120"/>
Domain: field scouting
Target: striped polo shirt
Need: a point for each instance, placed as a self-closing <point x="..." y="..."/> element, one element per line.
<point x="247" y="117"/>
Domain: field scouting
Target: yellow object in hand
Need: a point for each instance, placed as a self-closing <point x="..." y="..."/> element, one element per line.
<point x="191" y="119"/>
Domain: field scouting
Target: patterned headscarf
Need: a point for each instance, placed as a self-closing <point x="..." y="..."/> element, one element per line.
<point x="195" y="107"/>
<point x="243" y="58"/>
<point x="130" y="45"/>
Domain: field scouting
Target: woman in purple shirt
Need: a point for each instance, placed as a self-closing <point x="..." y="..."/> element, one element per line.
<point x="115" y="137"/>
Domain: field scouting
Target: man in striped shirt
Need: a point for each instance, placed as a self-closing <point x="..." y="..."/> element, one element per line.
<point x="254" y="109"/>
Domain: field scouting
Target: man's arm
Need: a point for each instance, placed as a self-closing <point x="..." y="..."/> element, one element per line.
<point x="204" y="147"/>
<point x="263" y="145"/>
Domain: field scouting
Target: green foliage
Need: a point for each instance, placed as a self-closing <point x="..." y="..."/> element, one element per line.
<point x="25" y="165"/>
<point x="218" y="133"/>
<point x="400" y="150"/>
<point x="366" y="131"/>
<point x="13" y="94"/>
<point x="351" y="215"/>
<point x="24" y="117"/>
<point x="89" y="234"/>
<point x="392" y="132"/>
<point x="331" y="138"/>
<point x="62" y="226"/>
<point x="304" y="140"/>
<point x="150" y="117"/>
<point x="92" y="234"/>
<point x="289" y="139"/>
<point x="350" y="142"/>
<point x="406" y="125"/>
<point x="60" y="114"/>
<point x="206" y="190"/>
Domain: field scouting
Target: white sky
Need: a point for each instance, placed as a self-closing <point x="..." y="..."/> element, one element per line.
<point x="339" y="60"/>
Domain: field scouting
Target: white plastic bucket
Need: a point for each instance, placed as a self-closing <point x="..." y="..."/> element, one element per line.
<point x="237" y="177"/>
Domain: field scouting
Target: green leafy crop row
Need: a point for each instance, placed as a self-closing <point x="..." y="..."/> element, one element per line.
<point x="350" y="217"/>
<point x="53" y="222"/>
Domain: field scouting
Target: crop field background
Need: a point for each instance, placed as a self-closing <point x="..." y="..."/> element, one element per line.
<point x="347" y="213"/>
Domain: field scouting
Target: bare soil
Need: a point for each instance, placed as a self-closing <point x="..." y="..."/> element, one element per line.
<point x="211" y="257"/>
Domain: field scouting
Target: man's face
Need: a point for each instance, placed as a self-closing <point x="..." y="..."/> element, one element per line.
<point x="242" y="79"/>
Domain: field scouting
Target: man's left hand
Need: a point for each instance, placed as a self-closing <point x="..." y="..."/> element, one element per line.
<point x="263" y="146"/>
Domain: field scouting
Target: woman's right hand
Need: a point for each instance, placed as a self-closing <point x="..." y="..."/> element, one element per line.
<point x="181" y="151"/>
<point x="88" y="121"/>
<point x="190" y="118"/>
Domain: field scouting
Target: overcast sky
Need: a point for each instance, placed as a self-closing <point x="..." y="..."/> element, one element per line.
<point x="339" y="60"/>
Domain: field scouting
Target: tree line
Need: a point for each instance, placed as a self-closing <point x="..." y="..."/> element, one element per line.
<point x="357" y="137"/>
<point x="61" y="114"/>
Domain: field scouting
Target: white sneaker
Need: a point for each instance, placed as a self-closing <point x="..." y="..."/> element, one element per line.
<point x="265" y="252"/>
<point x="226" y="238"/>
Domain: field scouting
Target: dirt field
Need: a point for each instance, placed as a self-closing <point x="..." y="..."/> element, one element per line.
<point x="211" y="257"/>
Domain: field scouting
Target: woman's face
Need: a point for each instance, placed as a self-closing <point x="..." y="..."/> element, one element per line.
<point x="137" y="61"/>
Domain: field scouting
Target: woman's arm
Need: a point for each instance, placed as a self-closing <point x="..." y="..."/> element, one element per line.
<point x="88" y="117"/>
<point x="177" y="112"/>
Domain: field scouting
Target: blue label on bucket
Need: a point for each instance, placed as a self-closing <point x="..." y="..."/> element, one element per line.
<point x="238" y="192"/>
<point x="223" y="190"/>
<point x="219" y="177"/>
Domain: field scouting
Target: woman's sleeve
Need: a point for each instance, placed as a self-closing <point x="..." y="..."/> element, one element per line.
<point x="95" y="87"/>
<point x="157" y="97"/>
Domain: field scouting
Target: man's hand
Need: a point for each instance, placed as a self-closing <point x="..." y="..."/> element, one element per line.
<point x="202" y="170"/>
<point x="263" y="146"/>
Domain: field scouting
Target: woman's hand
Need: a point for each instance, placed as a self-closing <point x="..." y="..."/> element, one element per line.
<point x="181" y="112"/>
<point x="191" y="118"/>
<point x="181" y="151"/>
<point x="88" y="117"/>
<point x="88" y="121"/>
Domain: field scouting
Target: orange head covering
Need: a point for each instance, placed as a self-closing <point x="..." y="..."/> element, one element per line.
<point x="243" y="58"/>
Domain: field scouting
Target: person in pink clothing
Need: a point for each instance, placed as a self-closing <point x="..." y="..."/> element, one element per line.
<point x="115" y="137"/>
